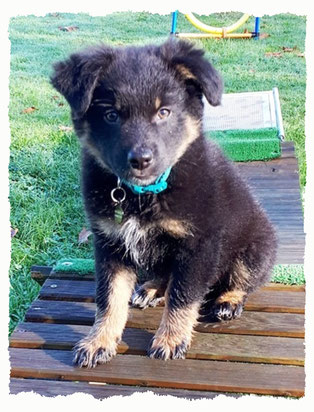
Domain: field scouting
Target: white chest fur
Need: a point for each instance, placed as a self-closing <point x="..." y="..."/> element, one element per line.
<point x="131" y="233"/>
<point x="136" y="238"/>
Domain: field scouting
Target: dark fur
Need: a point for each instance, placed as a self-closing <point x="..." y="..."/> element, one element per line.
<point x="219" y="239"/>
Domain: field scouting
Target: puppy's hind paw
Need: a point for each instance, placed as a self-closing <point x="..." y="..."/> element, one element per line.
<point x="143" y="298"/>
<point x="223" y="312"/>
<point x="228" y="306"/>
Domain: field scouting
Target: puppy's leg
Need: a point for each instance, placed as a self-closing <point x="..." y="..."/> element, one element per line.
<point x="185" y="292"/>
<point x="115" y="282"/>
<point x="149" y="294"/>
<point x="242" y="280"/>
<point x="174" y="334"/>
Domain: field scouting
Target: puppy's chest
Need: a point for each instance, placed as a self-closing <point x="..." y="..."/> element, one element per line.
<point x="144" y="240"/>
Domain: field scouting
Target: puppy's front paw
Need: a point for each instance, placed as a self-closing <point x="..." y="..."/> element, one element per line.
<point x="162" y="349"/>
<point x="88" y="354"/>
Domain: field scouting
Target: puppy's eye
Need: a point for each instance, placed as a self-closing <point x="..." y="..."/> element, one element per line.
<point x="163" y="113"/>
<point x="111" y="116"/>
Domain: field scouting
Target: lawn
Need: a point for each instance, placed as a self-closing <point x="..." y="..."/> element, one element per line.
<point x="46" y="207"/>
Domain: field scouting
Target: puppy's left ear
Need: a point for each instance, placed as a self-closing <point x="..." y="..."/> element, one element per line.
<point x="190" y="64"/>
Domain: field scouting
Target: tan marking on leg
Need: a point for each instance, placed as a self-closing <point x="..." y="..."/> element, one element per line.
<point x="240" y="278"/>
<point x="233" y="296"/>
<point x="175" y="227"/>
<point x="191" y="132"/>
<point x="108" y="326"/>
<point x="176" y="327"/>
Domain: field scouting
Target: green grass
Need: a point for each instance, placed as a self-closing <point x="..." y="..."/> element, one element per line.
<point x="46" y="206"/>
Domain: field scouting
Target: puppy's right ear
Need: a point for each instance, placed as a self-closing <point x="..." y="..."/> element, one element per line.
<point x="77" y="77"/>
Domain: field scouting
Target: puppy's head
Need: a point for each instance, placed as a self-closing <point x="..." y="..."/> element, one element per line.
<point x="137" y="109"/>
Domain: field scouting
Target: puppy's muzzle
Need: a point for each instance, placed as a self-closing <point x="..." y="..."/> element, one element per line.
<point x="140" y="159"/>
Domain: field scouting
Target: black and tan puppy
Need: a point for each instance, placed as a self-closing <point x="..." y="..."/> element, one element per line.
<point x="159" y="197"/>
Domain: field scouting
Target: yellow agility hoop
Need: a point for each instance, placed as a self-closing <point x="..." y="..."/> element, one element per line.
<point x="216" y="30"/>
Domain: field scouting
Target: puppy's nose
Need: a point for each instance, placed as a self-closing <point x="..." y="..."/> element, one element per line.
<point x="140" y="159"/>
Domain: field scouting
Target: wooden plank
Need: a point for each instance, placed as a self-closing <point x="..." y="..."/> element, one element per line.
<point x="40" y="273"/>
<point x="139" y="370"/>
<point x="282" y="193"/>
<point x="258" y="349"/>
<point x="276" y="301"/>
<point x="287" y="257"/>
<point x="52" y="388"/>
<point x="276" y="180"/>
<point x="272" y="173"/>
<point x="281" y="208"/>
<point x="270" y="185"/>
<point x="250" y="323"/>
<point x="287" y="246"/>
<point x="274" y="166"/>
<point x="290" y="220"/>
<point x="283" y="256"/>
<point x="266" y="300"/>
<point x="286" y="233"/>
<point x="56" y="289"/>
<point x="292" y="199"/>
<point x="269" y="168"/>
<point x="290" y="177"/>
<point x="282" y="286"/>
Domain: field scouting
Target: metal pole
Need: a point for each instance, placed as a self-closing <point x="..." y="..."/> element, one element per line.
<point x="257" y="27"/>
<point x="281" y="133"/>
<point x="174" y="22"/>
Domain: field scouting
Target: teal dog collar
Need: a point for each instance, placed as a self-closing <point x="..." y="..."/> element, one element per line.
<point x="157" y="187"/>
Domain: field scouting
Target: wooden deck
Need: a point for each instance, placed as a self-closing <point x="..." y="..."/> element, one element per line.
<point x="261" y="353"/>
<point x="276" y="185"/>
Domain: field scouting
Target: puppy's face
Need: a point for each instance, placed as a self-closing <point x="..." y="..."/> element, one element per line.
<point x="137" y="109"/>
